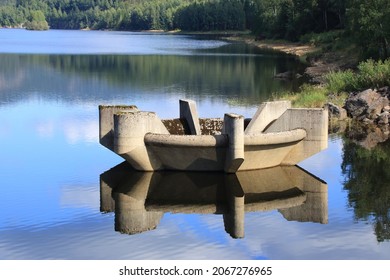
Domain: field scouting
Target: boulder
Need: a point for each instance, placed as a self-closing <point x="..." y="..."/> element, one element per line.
<point x="383" y="118"/>
<point x="336" y="111"/>
<point x="368" y="104"/>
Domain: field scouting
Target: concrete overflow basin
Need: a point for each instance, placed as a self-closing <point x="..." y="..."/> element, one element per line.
<point x="276" y="135"/>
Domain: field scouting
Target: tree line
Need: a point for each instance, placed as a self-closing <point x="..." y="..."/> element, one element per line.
<point x="365" y="21"/>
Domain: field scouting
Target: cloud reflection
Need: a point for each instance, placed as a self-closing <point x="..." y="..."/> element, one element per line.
<point x="81" y="131"/>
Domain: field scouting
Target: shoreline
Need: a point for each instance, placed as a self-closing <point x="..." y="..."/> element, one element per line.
<point x="297" y="49"/>
<point x="319" y="62"/>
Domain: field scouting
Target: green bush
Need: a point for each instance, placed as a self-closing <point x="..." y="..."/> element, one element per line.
<point x="36" y="25"/>
<point x="370" y="74"/>
<point x="374" y="74"/>
<point x="341" y="81"/>
<point x="322" y="38"/>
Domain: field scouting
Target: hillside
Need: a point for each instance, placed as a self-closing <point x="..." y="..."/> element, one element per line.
<point x="367" y="24"/>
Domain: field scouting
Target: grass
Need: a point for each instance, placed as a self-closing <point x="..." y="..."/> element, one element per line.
<point x="312" y="96"/>
<point x="341" y="81"/>
<point x="370" y="74"/>
<point x="309" y="96"/>
<point x="336" y="40"/>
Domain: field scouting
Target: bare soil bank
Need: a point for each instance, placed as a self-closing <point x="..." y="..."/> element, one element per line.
<point x="320" y="62"/>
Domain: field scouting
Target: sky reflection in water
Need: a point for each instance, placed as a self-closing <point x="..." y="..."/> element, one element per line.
<point x="51" y="165"/>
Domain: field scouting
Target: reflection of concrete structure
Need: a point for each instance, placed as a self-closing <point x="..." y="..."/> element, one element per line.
<point x="140" y="199"/>
<point x="277" y="135"/>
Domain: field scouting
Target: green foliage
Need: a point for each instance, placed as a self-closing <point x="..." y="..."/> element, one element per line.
<point x="290" y="19"/>
<point x="374" y="74"/>
<point x="340" y="81"/>
<point x="215" y="15"/>
<point x="36" y="21"/>
<point x="319" y="39"/>
<point x="95" y="14"/>
<point x="36" y="25"/>
<point x="308" y="96"/>
<point x="370" y="74"/>
<point x="369" y="23"/>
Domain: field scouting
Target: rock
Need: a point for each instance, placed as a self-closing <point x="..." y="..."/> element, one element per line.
<point x="336" y="111"/>
<point x="384" y="91"/>
<point x="383" y="118"/>
<point x="366" y="104"/>
<point x="285" y="75"/>
<point x="367" y="121"/>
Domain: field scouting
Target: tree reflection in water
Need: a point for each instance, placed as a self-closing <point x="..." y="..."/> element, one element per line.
<point x="365" y="166"/>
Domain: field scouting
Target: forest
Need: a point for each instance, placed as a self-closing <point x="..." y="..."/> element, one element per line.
<point x="362" y="21"/>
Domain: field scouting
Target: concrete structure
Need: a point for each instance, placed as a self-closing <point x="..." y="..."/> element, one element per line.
<point x="140" y="199"/>
<point x="277" y="135"/>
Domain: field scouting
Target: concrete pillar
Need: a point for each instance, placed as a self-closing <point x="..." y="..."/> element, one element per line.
<point x="129" y="132"/>
<point x="234" y="129"/>
<point x="106" y="122"/>
<point x="189" y="112"/>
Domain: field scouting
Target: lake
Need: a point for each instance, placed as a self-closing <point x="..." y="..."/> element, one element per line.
<point x="64" y="196"/>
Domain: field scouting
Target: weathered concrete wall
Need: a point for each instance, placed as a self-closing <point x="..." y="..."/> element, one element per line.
<point x="266" y="114"/>
<point x="176" y="126"/>
<point x="263" y="150"/>
<point x="314" y="121"/>
<point x="189" y="152"/>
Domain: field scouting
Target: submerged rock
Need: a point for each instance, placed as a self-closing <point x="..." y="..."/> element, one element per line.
<point x="285" y="75"/>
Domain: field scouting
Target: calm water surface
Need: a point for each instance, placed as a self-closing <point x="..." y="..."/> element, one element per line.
<point x="56" y="180"/>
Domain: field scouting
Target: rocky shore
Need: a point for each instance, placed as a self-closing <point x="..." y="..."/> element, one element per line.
<point x="364" y="116"/>
<point x="319" y="62"/>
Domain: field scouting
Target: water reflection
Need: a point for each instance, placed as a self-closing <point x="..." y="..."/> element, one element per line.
<point x="140" y="199"/>
<point x="365" y="167"/>
<point x="91" y="77"/>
